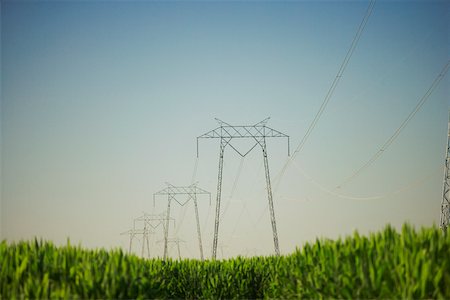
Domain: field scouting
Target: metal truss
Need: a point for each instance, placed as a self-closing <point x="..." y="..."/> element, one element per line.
<point x="175" y="241"/>
<point x="258" y="132"/>
<point x="228" y="132"/>
<point x="172" y="192"/>
<point x="153" y="220"/>
<point x="445" y="205"/>
<point x="146" y="232"/>
<point x="145" y="226"/>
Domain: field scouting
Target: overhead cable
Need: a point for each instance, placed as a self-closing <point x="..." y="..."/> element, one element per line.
<point x="402" y="126"/>
<point x="331" y="90"/>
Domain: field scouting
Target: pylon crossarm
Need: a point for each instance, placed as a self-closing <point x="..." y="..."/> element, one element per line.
<point x="138" y="231"/>
<point x="173" y="191"/>
<point x="229" y="132"/>
<point x="181" y="190"/>
<point x="242" y="132"/>
<point x="200" y="191"/>
<point x="160" y="222"/>
<point x="263" y="122"/>
<point x="149" y="217"/>
<point x="152" y="220"/>
<point x="172" y="240"/>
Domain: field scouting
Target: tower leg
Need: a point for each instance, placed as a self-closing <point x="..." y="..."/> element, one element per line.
<point x="269" y="194"/>
<point x="148" y="248"/>
<point x="131" y="240"/>
<point x="178" y="247"/>
<point x="445" y="205"/>
<point x="223" y="143"/>
<point x="144" y="237"/>
<point x="198" y="228"/>
<point x="166" y="229"/>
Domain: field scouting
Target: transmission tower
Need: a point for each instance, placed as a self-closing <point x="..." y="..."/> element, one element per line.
<point x="445" y="206"/>
<point x="175" y="241"/>
<point x="191" y="192"/>
<point x="145" y="238"/>
<point x="145" y="225"/>
<point x="258" y="132"/>
<point x="153" y="220"/>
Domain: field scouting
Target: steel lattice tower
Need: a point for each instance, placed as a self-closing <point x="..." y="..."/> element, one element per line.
<point x="445" y="206"/>
<point x="149" y="223"/>
<point x="172" y="192"/>
<point x="175" y="241"/>
<point x="145" y="240"/>
<point x="258" y="132"/>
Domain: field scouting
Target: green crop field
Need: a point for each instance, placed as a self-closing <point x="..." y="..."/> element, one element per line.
<point x="388" y="264"/>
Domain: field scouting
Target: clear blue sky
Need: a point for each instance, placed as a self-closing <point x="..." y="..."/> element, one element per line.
<point x="102" y="102"/>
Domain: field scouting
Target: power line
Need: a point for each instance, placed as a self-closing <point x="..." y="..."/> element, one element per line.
<point x="413" y="184"/>
<point x="402" y="126"/>
<point x="324" y="189"/>
<point x="336" y="79"/>
<point x="416" y="182"/>
<point x="330" y="92"/>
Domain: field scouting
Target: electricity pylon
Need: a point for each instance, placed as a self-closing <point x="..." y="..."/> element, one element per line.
<point x="149" y="223"/>
<point x="172" y="192"/>
<point x="445" y="206"/>
<point x="145" y="238"/>
<point x="153" y="220"/>
<point x="175" y="241"/>
<point x="258" y="132"/>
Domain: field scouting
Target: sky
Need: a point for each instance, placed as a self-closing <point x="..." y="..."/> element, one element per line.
<point x="101" y="104"/>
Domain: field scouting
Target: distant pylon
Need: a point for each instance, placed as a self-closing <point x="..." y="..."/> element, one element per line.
<point x="145" y="225"/>
<point x="146" y="232"/>
<point x="258" y="133"/>
<point x="175" y="241"/>
<point x="445" y="206"/>
<point x="145" y="240"/>
<point x="172" y="192"/>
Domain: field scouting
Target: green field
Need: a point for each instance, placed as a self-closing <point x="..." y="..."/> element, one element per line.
<point x="388" y="264"/>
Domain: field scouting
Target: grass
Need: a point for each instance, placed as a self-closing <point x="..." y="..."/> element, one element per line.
<point x="388" y="264"/>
